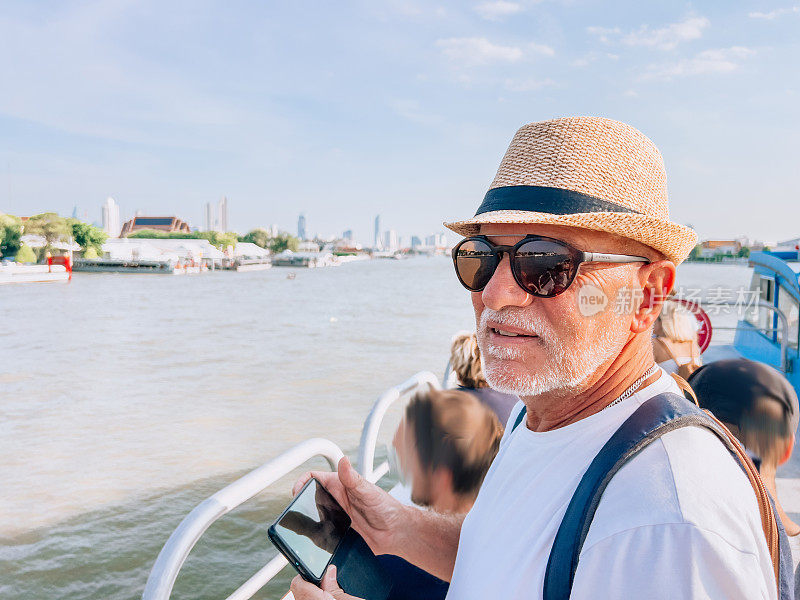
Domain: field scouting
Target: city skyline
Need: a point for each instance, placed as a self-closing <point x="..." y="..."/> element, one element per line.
<point x="400" y="109"/>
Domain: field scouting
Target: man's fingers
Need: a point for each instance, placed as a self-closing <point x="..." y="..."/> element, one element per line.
<point x="330" y="585"/>
<point x="350" y="478"/>
<point x="301" y="482"/>
<point x="329" y="580"/>
<point x="302" y="590"/>
<point x="328" y="479"/>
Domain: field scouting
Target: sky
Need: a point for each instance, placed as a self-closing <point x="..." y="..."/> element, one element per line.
<point x="344" y="110"/>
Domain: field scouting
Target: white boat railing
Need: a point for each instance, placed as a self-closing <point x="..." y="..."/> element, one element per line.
<point x="180" y="543"/>
<point x="783" y="322"/>
<point x="369" y="435"/>
<point x="174" y="553"/>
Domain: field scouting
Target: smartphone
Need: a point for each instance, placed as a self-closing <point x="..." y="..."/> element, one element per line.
<point x="314" y="532"/>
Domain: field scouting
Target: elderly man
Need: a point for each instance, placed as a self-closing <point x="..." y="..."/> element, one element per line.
<point x="567" y="260"/>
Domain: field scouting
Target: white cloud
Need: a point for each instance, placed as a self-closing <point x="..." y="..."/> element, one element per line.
<point x="774" y="14"/>
<point x="604" y="34"/>
<point x="411" y="111"/>
<point x="476" y="51"/>
<point x="527" y="85"/>
<point x="415" y="10"/>
<point x="721" y="60"/>
<point x="498" y="9"/>
<point x="541" y="49"/>
<point x="592" y="57"/>
<point x="663" y="38"/>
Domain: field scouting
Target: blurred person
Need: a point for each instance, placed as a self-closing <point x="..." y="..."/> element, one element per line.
<point x="445" y="444"/>
<point x="675" y="344"/>
<point x="465" y="359"/>
<point x="760" y="408"/>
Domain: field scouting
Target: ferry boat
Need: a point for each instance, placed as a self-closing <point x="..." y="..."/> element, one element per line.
<point x="58" y="268"/>
<point x="309" y="260"/>
<point x="769" y="333"/>
<point x="158" y="267"/>
<point x="114" y="265"/>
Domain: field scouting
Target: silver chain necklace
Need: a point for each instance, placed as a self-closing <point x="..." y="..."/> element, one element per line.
<point x="635" y="386"/>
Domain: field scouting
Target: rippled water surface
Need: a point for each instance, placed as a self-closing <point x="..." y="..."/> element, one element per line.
<point x="128" y="399"/>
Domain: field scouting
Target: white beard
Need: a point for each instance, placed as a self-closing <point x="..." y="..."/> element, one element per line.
<point x="563" y="368"/>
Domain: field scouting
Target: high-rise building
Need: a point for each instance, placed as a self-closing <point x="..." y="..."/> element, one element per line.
<point x="216" y="216"/>
<point x="111" y="224"/>
<point x="211" y="219"/>
<point x="390" y="240"/>
<point x="301" y="227"/>
<point x="415" y="241"/>
<point x="348" y="235"/>
<point x="223" y="214"/>
<point x="377" y="240"/>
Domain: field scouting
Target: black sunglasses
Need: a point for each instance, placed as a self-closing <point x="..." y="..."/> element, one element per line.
<point x="543" y="267"/>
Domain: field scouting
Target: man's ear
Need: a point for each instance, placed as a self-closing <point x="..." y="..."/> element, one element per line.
<point x="656" y="280"/>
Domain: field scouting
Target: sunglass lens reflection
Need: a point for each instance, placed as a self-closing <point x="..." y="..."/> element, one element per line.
<point x="475" y="263"/>
<point x="545" y="268"/>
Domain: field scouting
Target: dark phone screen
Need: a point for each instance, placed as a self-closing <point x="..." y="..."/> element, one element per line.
<point x="313" y="526"/>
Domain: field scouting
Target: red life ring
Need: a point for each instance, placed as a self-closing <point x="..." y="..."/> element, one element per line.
<point x="704" y="331"/>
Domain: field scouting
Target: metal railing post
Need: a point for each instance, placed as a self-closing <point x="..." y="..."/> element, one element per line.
<point x="369" y="435"/>
<point x="784" y="321"/>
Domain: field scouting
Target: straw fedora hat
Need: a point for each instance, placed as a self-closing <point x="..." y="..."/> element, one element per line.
<point x="584" y="172"/>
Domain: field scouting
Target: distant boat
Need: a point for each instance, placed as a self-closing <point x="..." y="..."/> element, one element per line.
<point x="115" y="265"/>
<point x="309" y="260"/>
<point x="388" y="254"/>
<point x="58" y="268"/>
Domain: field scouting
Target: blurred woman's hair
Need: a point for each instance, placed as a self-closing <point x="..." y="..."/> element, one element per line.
<point x="456" y="431"/>
<point x="465" y="359"/>
<point x="678" y="322"/>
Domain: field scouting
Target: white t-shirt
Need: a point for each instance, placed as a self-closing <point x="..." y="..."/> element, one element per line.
<point x="680" y="520"/>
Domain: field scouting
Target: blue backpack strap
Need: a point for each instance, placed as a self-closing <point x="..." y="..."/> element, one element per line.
<point x="520" y="418"/>
<point x="655" y="417"/>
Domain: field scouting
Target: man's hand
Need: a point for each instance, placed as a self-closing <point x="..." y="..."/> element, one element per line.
<point x="424" y="538"/>
<point x="329" y="590"/>
<point x="377" y="516"/>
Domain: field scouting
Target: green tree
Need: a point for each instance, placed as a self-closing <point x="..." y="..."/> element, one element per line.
<point x="695" y="253"/>
<point x="90" y="252"/>
<point x="50" y="226"/>
<point x="220" y="239"/>
<point x="283" y="241"/>
<point x="744" y="252"/>
<point x="258" y="236"/>
<point x="25" y="254"/>
<point x="10" y="234"/>
<point x="88" y="236"/>
<point x="160" y="235"/>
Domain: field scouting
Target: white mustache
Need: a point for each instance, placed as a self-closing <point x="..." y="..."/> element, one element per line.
<point x="530" y="324"/>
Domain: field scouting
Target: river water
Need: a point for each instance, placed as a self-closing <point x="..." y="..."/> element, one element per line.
<point x="128" y="399"/>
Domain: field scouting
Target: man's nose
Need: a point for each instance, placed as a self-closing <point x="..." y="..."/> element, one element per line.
<point x="503" y="290"/>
